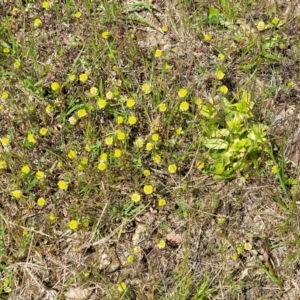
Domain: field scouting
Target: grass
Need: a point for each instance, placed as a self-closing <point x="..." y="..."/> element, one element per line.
<point x="142" y="150"/>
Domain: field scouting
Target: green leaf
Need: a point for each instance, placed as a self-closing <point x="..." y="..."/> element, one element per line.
<point x="216" y="144"/>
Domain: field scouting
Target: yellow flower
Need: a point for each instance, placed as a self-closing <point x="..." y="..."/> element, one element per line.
<point x="275" y="21"/>
<point x="40" y="175"/>
<point x="17" y="194"/>
<point x="165" y="28"/>
<point x="157" y="53"/>
<point x="121" y="135"/>
<point x="247" y="246"/>
<point x="118" y="153"/>
<point x="62" y="184"/>
<point x="182" y="93"/>
<point x="2" y="164"/>
<point x="103" y="157"/>
<point x="200" y="165"/>
<point x="185" y="214"/>
<point x="109" y="141"/>
<point x="184" y="106"/>
<point x="83" y="77"/>
<point x="179" y="131"/>
<point x="87" y="148"/>
<point x="161" y="202"/>
<point x="31" y="138"/>
<point x="5" y="141"/>
<point x="43" y="131"/>
<point x="135" y="197"/>
<point x="55" y="86"/>
<point x="148" y="189"/>
<point x="162" y="107"/>
<point x="146" y="173"/>
<point x="146" y="88"/>
<point x="172" y="168"/>
<point x="109" y="95"/>
<point x="101" y="103"/>
<point x="78" y="14"/>
<point x="234" y="256"/>
<point x="93" y="91"/>
<point x="130" y="102"/>
<point x="81" y="113"/>
<point x="220" y="75"/>
<point x="274" y="170"/>
<point x="105" y="34"/>
<point x="221" y="57"/>
<point x="149" y="146"/>
<point x="41" y="202"/>
<point x="49" y="109"/>
<point x="260" y="25"/>
<point x="84" y="161"/>
<point x="72" y="120"/>
<point x="139" y="142"/>
<point x="52" y="217"/>
<point x="37" y="23"/>
<point x="17" y="64"/>
<point x="72" y="154"/>
<point x="119" y="120"/>
<point x="121" y="287"/>
<point x="166" y="67"/>
<point x="46" y="5"/>
<point x="157" y="159"/>
<point x="224" y="89"/>
<point x="101" y="166"/>
<point x="130" y="258"/>
<point x="4" y="95"/>
<point x="132" y="120"/>
<point x="207" y="37"/>
<point x="155" y="137"/>
<point x="72" y="77"/>
<point x="73" y="224"/>
<point x="161" y="244"/>
<point x="137" y="250"/>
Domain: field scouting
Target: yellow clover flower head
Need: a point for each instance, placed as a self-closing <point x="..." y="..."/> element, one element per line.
<point x="161" y="202"/>
<point x="63" y="185"/>
<point x="5" y="141"/>
<point x="83" y="77"/>
<point x="135" y="197"/>
<point x="172" y="168"/>
<point x="81" y="113"/>
<point x="184" y="106"/>
<point x="182" y="93"/>
<point x="101" y="103"/>
<point x="148" y="189"/>
<point x="55" y="86"/>
<point x="41" y="202"/>
<point x="43" y="131"/>
<point x="101" y="166"/>
<point x="37" y="23"/>
<point x="17" y="194"/>
<point x="132" y="120"/>
<point x="260" y="25"/>
<point x="40" y="175"/>
<point x="146" y="88"/>
<point x="161" y="244"/>
<point x="78" y="14"/>
<point x="73" y="224"/>
<point x="130" y="103"/>
<point x="72" y="154"/>
<point x="157" y="53"/>
<point x="224" y="89"/>
<point x="105" y="34"/>
<point x="220" y="75"/>
<point x="31" y="138"/>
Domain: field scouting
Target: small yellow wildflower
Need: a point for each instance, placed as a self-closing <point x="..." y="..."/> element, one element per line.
<point x="132" y="120"/>
<point x="139" y="143"/>
<point x="87" y="148"/>
<point x="146" y="173"/>
<point x="260" y="25"/>
<point x="46" y="5"/>
<point x="155" y="137"/>
<point x="43" y="131"/>
<point x="101" y="166"/>
<point x="161" y="244"/>
<point x="83" y="77"/>
<point x="121" y="135"/>
<point x="40" y="175"/>
<point x="84" y="161"/>
<point x="62" y="185"/>
<point x="41" y="202"/>
<point x="4" y="95"/>
<point x="149" y="146"/>
<point x="146" y="88"/>
<point x="72" y="154"/>
<point x="148" y="189"/>
<point x="85" y="223"/>
<point x="49" y="109"/>
<point x="220" y="75"/>
<point x="110" y="95"/>
<point x="31" y="138"/>
<point x="93" y="91"/>
<point x="101" y="103"/>
<point x="135" y="197"/>
<point x="52" y="216"/>
<point x="17" y="194"/>
<point x="156" y="158"/>
<point x="2" y="164"/>
<point x="179" y="131"/>
<point x="234" y="256"/>
<point x="6" y="50"/>
<point x="172" y="168"/>
<point x="72" y="77"/>
<point x="184" y="106"/>
<point x="72" y="120"/>
<point x="105" y="34"/>
<point x="55" y="86"/>
<point x="221" y="221"/>
<point x="5" y="141"/>
<point x="78" y="14"/>
<point x="81" y="113"/>
<point x="157" y="53"/>
<point x="130" y="102"/>
<point x="37" y="23"/>
<point x="274" y="170"/>
<point x="161" y="202"/>
<point x="73" y="224"/>
<point x="200" y="165"/>
<point x="240" y="249"/>
<point x="166" y="67"/>
<point x="207" y="37"/>
<point x="103" y="157"/>
<point x="165" y="28"/>
<point x="17" y="64"/>
<point x="119" y="120"/>
<point x="275" y="21"/>
<point x="247" y="246"/>
<point x="137" y="250"/>
<point x="185" y="214"/>
<point x="59" y="164"/>
<point x="130" y="258"/>
<point x="118" y="153"/>
<point x="223" y="89"/>
<point x="221" y="57"/>
<point x="182" y="93"/>
<point x="109" y="141"/>
<point x="121" y="287"/>
<point x="162" y="107"/>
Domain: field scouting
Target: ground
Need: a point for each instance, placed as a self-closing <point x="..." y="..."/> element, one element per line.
<point x="149" y="150"/>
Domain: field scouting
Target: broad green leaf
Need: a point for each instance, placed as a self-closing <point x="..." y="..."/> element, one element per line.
<point x="216" y="144"/>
